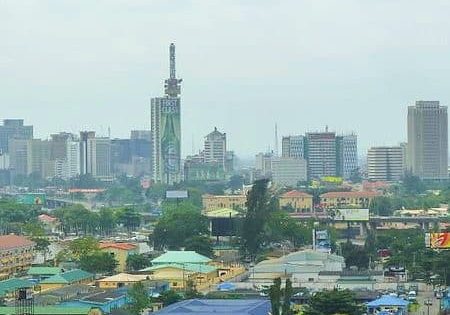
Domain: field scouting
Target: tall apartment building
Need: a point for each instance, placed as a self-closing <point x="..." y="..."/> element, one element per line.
<point x="84" y="137"/>
<point x="65" y="154"/>
<point x="293" y="147"/>
<point x="215" y="147"/>
<point x="428" y="140"/>
<point x="99" y="158"/>
<point x="13" y="129"/>
<point x="166" y="130"/>
<point x="346" y="155"/>
<point x="288" y="171"/>
<point x="385" y="163"/>
<point x="321" y="154"/>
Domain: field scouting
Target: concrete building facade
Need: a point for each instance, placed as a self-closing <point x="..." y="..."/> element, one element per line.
<point x="428" y="140"/>
<point x="289" y="171"/>
<point x="385" y="163"/>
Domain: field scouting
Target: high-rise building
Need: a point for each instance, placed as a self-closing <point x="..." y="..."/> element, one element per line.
<point x="346" y="155"/>
<point x="84" y="137"/>
<point x="263" y="164"/>
<point x="288" y="171"/>
<point x="99" y="158"/>
<point x="166" y="130"/>
<point x="321" y="154"/>
<point x="385" y="163"/>
<point x="65" y="154"/>
<point x="13" y="129"/>
<point x="215" y="148"/>
<point x="293" y="147"/>
<point x="428" y="140"/>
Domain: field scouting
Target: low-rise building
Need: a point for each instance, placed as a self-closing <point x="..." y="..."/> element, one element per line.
<point x="41" y="273"/>
<point x="214" y="202"/>
<point x="76" y="276"/>
<point x="120" y="280"/>
<point x="296" y="201"/>
<point x="346" y="199"/>
<point x="16" y="254"/>
<point x="8" y="287"/>
<point x="120" y="251"/>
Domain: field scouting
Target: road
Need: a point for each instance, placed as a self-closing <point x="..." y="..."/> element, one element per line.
<point x="432" y="309"/>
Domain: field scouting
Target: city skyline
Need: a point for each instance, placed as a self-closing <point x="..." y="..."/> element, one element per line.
<point x="86" y="79"/>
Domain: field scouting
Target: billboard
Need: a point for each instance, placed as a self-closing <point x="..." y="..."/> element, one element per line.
<point x="353" y="215"/>
<point x="32" y="199"/>
<point x="170" y="135"/>
<point x="438" y="240"/>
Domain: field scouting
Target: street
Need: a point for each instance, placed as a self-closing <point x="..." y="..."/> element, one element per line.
<point x="423" y="296"/>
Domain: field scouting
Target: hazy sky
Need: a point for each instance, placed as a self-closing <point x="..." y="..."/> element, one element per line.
<point x="351" y="65"/>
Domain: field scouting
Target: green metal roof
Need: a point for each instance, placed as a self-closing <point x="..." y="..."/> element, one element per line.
<point x="10" y="285"/>
<point x="37" y="271"/>
<point x="201" y="268"/>
<point x="69" y="277"/>
<point x="181" y="257"/>
<point x="50" y="310"/>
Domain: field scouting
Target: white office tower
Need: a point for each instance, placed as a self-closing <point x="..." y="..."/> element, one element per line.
<point x="288" y="172"/>
<point x="385" y="163"/>
<point x="428" y="140"/>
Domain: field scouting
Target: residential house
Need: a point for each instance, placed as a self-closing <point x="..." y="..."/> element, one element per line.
<point x="76" y="276"/>
<point x="296" y="201"/>
<point x="120" y="251"/>
<point x="120" y="280"/>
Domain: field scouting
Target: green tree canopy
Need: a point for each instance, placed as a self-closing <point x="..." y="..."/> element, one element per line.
<point x="201" y="244"/>
<point x="333" y="302"/>
<point x="137" y="262"/>
<point x="139" y="299"/>
<point x="98" y="262"/>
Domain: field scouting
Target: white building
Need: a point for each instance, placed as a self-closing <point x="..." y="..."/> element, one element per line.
<point x="99" y="158"/>
<point x="288" y="171"/>
<point x="215" y="148"/>
<point x="385" y="163"/>
<point x="293" y="147"/>
<point x="347" y="158"/>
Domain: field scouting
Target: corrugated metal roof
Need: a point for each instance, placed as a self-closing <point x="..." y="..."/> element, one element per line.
<point x="10" y="285"/>
<point x="181" y="257"/>
<point x="44" y="271"/>
<point x="201" y="268"/>
<point x="69" y="277"/>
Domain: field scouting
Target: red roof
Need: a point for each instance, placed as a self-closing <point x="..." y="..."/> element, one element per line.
<point x="14" y="241"/>
<point x="46" y="218"/>
<point x="122" y="246"/>
<point x="349" y="194"/>
<point x="296" y="193"/>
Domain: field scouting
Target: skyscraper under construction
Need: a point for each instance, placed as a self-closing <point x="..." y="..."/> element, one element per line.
<point x="166" y="129"/>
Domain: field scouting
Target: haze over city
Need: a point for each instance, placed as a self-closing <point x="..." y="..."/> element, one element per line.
<point x="246" y="65"/>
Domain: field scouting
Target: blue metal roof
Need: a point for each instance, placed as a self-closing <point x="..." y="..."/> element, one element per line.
<point x="218" y="307"/>
<point x="387" y="300"/>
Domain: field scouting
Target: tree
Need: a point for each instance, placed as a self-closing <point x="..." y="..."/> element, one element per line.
<point x="201" y="244"/>
<point x="137" y="262"/>
<point x="191" y="291"/>
<point x="169" y="297"/>
<point x="286" y="308"/>
<point x="98" y="262"/>
<point x="412" y="184"/>
<point x="355" y="255"/>
<point x="333" y="302"/>
<point x="177" y="224"/>
<point x="83" y="247"/>
<point x="42" y="245"/>
<point x="381" y="205"/>
<point x="275" y="296"/>
<point x="355" y="176"/>
<point x="129" y="217"/>
<point x="139" y="299"/>
<point x="281" y="227"/>
<point x="258" y="210"/>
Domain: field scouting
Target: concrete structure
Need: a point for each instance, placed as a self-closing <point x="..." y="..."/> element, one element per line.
<point x="215" y="147"/>
<point x="385" y="163"/>
<point x="300" y="267"/>
<point x="120" y="251"/>
<point x="263" y="163"/>
<point x="345" y="199"/>
<point x="293" y="147"/>
<point x="16" y="254"/>
<point x="321" y="154"/>
<point x="13" y="129"/>
<point x="218" y="307"/>
<point x="214" y="202"/>
<point x="289" y="171"/>
<point x="75" y="276"/>
<point x="428" y="140"/>
<point x="84" y="164"/>
<point x="120" y="280"/>
<point x="347" y="155"/>
<point x="296" y="201"/>
<point x="65" y="152"/>
<point x="166" y="130"/>
<point x="99" y="158"/>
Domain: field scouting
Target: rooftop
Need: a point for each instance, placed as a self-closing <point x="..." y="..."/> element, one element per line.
<point x="200" y="268"/>
<point x="124" y="277"/>
<point x="10" y="285"/>
<point x="14" y="241"/>
<point x="218" y="307"/>
<point x="296" y="194"/>
<point x="222" y="213"/>
<point x="179" y="256"/>
<point x="49" y="310"/>
<point x="69" y="277"/>
<point x="349" y="194"/>
<point x="37" y="271"/>
<point x="121" y="246"/>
